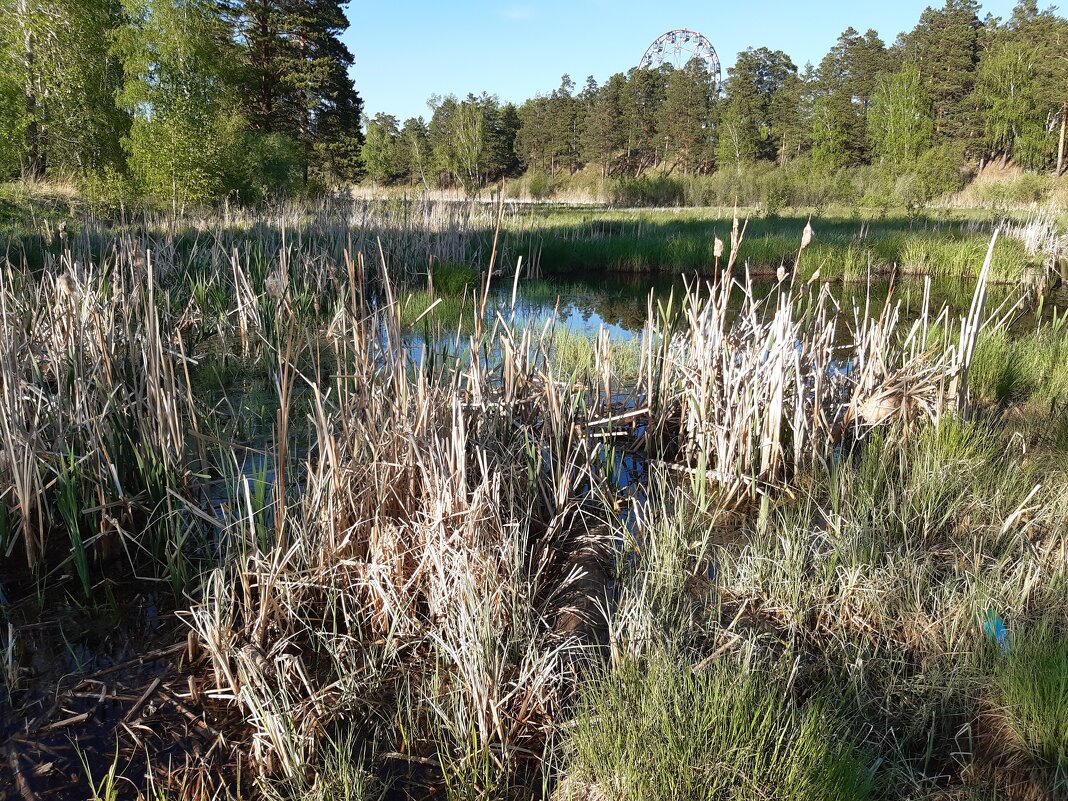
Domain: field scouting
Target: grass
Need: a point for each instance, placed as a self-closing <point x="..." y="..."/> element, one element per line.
<point x="1032" y="693"/>
<point x="847" y="246"/>
<point x="745" y="548"/>
<point x="574" y="354"/>
<point x="666" y="730"/>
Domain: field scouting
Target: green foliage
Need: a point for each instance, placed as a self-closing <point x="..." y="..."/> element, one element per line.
<point x="472" y="141"/>
<point x="746" y="126"/>
<point x="267" y="164"/>
<point x="845" y="84"/>
<point x="58" y="86"/>
<point x="381" y="149"/>
<point x="12" y="125"/>
<point x="179" y="86"/>
<point x="666" y="730"/>
<point x="944" y="47"/>
<point x="936" y="172"/>
<point x="685" y="122"/>
<point x="658" y="190"/>
<point x="900" y="125"/>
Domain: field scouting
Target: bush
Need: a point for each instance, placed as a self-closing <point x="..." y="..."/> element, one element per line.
<point x="539" y="185"/>
<point x="269" y="164"/>
<point x="937" y="173"/>
<point x="108" y="188"/>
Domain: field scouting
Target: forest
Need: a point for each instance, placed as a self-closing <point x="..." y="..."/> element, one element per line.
<point x="178" y="101"/>
<point x="194" y="101"/>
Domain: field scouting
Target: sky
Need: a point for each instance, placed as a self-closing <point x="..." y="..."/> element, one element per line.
<point x="407" y="51"/>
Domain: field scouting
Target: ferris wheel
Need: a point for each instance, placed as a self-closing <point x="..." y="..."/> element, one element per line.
<point x="677" y="48"/>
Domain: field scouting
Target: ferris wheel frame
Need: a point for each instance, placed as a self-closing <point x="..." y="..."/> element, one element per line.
<point x="670" y="47"/>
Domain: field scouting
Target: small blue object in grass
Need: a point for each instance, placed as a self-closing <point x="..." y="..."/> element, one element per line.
<point x="994" y="628"/>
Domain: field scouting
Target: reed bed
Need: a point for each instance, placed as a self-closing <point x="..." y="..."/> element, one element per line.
<point x="773" y="536"/>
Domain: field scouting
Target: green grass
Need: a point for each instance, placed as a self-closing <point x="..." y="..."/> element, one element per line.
<point x="1023" y="367"/>
<point x="846" y="245"/>
<point x="450" y="278"/>
<point x="1032" y="685"/>
<point x="665" y="730"/>
<point x="574" y="354"/>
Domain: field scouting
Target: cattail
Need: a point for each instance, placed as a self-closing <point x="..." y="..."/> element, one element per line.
<point x="63" y="230"/>
<point x="781" y="273"/>
<point x="66" y="285"/>
<point x="734" y="235"/>
<point x="815" y="276"/>
<point x="717" y="248"/>
<point x="275" y="286"/>
<point x="806" y="235"/>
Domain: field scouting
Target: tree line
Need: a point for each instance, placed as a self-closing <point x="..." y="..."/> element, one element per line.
<point x="191" y="100"/>
<point x="180" y="100"/>
<point x="955" y="89"/>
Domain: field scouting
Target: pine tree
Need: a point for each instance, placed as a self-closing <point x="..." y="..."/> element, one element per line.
<point x="298" y="69"/>
<point x="564" y="113"/>
<point x="534" y="141"/>
<point x="603" y="134"/>
<point x="746" y="128"/>
<point x="944" y="47"/>
<point x="642" y="98"/>
<point x="685" y="117"/>
<point x="789" y="116"/>
<point x="845" y="82"/>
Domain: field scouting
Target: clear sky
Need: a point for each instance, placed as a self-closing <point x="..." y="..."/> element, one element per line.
<point x="408" y="50"/>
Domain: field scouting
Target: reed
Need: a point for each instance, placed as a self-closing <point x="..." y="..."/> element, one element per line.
<point x="505" y="558"/>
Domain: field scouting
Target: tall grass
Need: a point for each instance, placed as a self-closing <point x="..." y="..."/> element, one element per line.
<point x="747" y="551"/>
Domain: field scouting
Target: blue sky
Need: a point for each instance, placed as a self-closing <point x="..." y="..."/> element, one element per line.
<point x="407" y="51"/>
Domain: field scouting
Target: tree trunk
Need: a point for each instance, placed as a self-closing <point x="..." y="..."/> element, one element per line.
<point x="33" y="168"/>
<point x="1064" y="131"/>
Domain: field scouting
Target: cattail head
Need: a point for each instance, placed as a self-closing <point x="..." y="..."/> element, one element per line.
<point x="138" y="259"/>
<point x="63" y="229"/>
<point x="717" y="248"/>
<point x="806" y="235"/>
<point x="734" y="235"/>
<point x="275" y="286"/>
<point x="780" y="274"/>
<point x="66" y="286"/>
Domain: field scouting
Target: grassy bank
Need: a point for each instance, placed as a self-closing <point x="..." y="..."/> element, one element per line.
<point x="846" y="246"/>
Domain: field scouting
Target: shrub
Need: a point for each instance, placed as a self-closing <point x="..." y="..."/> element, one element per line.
<point x="539" y="185"/>
<point x="269" y="164"/>
<point x="658" y="190"/>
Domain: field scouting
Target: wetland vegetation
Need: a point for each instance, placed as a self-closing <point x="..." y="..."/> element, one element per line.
<point x="330" y="500"/>
<point x="646" y="441"/>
